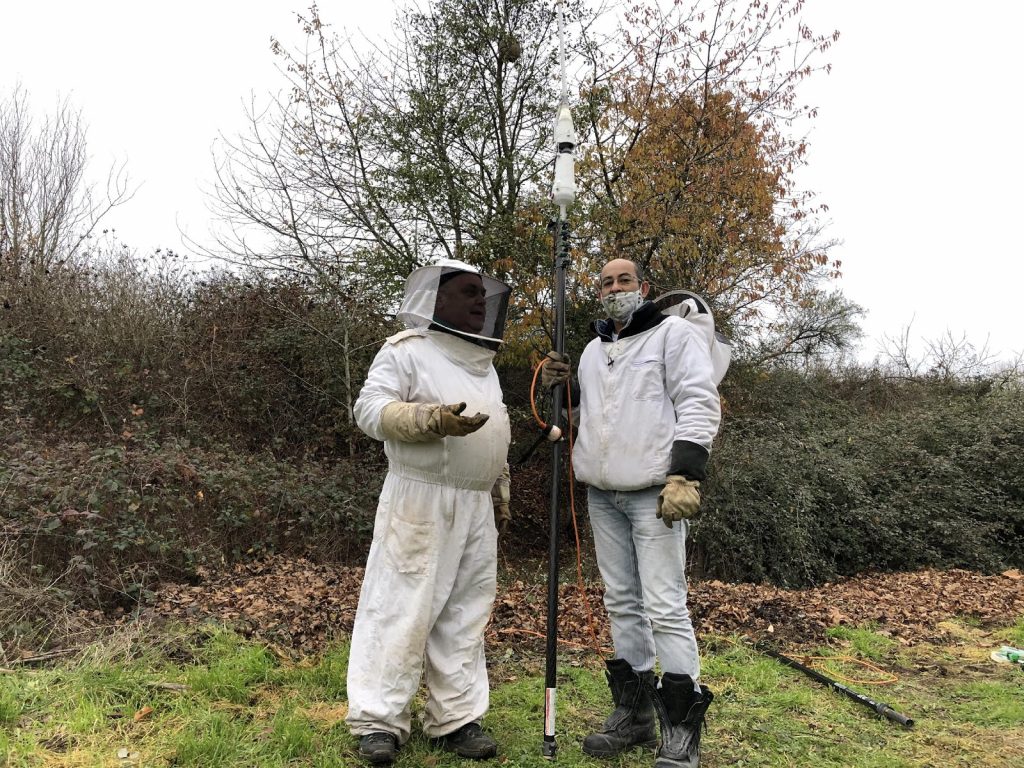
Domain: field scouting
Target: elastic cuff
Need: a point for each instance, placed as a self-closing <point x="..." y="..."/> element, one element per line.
<point x="689" y="460"/>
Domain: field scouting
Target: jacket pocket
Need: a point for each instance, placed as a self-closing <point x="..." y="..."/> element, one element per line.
<point x="647" y="379"/>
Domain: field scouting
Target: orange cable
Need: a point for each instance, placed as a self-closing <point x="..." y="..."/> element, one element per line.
<point x="887" y="678"/>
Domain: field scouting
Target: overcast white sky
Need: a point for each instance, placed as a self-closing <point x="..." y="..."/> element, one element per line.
<point x="916" y="148"/>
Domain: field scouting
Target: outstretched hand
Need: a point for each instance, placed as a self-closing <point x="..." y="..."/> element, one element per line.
<point x="454" y="424"/>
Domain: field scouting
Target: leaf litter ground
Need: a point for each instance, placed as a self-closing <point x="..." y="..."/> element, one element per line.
<point x="300" y="605"/>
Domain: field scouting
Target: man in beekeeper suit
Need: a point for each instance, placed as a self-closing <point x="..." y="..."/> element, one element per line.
<point x="432" y="395"/>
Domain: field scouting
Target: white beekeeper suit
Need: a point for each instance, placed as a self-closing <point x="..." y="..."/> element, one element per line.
<point x="430" y="575"/>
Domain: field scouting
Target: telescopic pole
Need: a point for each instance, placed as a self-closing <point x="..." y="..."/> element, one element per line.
<point x="563" y="192"/>
<point x="551" y="649"/>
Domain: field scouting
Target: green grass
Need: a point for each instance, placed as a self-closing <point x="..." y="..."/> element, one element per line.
<point x="1015" y="635"/>
<point x="220" y="701"/>
<point x="10" y="705"/>
<point x="862" y="641"/>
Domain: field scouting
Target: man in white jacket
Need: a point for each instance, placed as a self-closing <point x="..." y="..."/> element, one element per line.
<point x="648" y="412"/>
<point x="430" y="576"/>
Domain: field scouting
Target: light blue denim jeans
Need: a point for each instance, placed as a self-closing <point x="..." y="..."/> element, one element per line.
<point x="642" y="563"/>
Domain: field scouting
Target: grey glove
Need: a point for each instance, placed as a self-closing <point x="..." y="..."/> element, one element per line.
<point x="555" y="370"/>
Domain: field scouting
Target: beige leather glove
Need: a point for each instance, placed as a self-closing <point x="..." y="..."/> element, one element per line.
<point x="679" y="499"/>
<point x="555" y="370"/>
<point x="419" y="422"/>
<point x="500" y="497"/>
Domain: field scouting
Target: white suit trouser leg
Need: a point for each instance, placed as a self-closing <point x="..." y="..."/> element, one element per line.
<point x="426" y="598"/>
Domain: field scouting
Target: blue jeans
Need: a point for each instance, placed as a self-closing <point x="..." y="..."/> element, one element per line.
<point x="642" y="564"/>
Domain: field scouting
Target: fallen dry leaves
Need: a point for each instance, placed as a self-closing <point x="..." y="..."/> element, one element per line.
<point x="297" y="604"/>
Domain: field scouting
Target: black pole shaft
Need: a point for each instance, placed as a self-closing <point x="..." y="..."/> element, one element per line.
<point x="561" y="250"/>
<point x="883" y="709"/>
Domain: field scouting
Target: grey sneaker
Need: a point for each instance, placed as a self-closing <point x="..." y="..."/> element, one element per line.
<point x="469" y="741"/>
<point x="379" y="747"/>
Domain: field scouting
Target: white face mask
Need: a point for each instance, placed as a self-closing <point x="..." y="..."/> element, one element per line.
<point x="621" y="306"/>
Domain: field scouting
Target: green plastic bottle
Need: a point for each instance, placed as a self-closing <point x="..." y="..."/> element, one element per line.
<point x="1010" y="654"/>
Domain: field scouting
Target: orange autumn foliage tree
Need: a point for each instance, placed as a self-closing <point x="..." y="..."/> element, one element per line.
<point x="686" y="162"/>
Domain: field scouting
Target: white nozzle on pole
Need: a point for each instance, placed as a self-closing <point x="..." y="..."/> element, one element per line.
<point x="565" y="131"/>
<point x="563" y="188"/>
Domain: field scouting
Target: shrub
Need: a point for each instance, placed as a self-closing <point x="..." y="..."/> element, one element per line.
<point x="153" y="421"/>
<point x="144" y="347"/>
<point x="107" y="521"/>
<point x="821" y="484"/>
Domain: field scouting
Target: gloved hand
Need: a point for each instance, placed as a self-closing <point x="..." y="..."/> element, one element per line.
<point x="454" y="424"/>
<point x="418" y="422"/>
<point x="555" y="370"/>
<point x="500" y="497"/>
<point x="679" y="499"/>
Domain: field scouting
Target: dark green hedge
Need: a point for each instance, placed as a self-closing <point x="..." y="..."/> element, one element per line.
<point x="819" y="476"/>
<point x="106" y="522"/>
<point x="149" y="427"/>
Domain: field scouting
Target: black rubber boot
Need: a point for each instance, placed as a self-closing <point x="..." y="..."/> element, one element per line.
<point x="631" y="723"/>
<point x="681" y="711"/>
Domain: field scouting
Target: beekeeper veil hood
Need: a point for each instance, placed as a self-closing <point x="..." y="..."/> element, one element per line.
<point x="458" y="298"/>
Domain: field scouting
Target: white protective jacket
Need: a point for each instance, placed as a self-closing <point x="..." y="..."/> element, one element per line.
<point x="427" y="366"/>
<point x="648" y="405"/>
